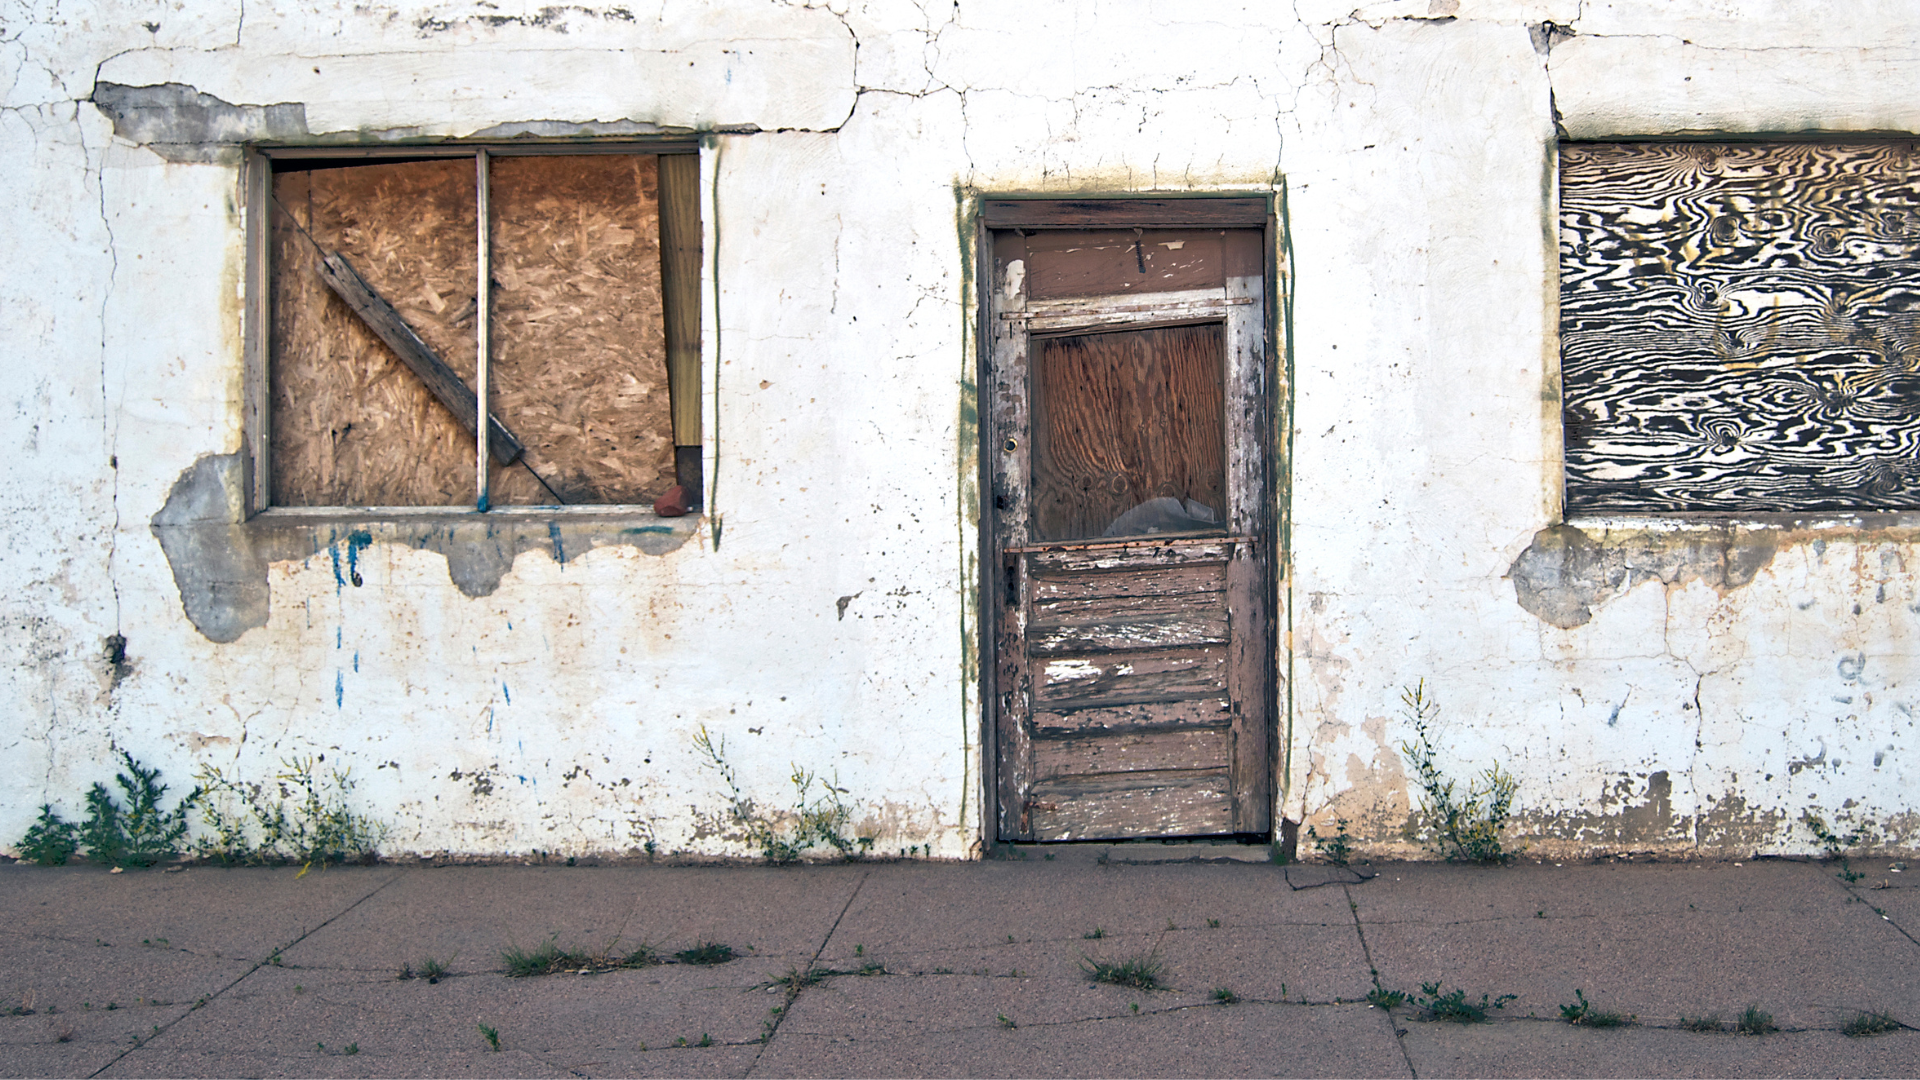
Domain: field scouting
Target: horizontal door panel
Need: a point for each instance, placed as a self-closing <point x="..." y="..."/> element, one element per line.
<point x="1176" y="803"/>
<point x="1128" y="622"/>
<point x="1127" y="678"/>
<point x="1153" y="716"/>
<point x="1130" y="557"/>
<point x="1168" y="581"/>
<point x="1132" y="752"/>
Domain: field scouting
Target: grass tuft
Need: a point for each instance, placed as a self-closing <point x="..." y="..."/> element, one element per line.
<point x="1870" y="1023"/>
<point x="1755" y="1021"/>
<point x="1584" y="1014"/>
<point x="705" y="954"/>
<point x="1134" y="972"/>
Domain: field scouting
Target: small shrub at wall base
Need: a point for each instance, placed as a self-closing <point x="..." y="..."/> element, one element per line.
<point x="1336" y="849"/>
<point x="138" y="833"/>
<point x="1462" y="827"/>
<point x="783" y="837"/>
<point x="49" y="840"/>
<point x="300" y="816"/>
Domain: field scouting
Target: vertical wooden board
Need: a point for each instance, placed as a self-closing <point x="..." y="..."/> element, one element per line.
<point x="1124" y="417"/>
<point x="1133" y="805"/>
<point x="1250" y="667"/>
<point x="579" y="346"/>
<point x="1007" y="576"/>
<point x="349" y="424"/>
<point x="1738" y="326"/>
<point x="680" y="258"/>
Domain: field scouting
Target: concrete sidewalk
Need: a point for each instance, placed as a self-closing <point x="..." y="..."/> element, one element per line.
<point x="972" y="969"/>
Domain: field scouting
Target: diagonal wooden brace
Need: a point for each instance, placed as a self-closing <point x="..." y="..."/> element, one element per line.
<point x="419" y="357"/>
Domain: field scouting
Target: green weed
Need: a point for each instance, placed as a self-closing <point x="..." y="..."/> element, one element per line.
<point x="1705" y="1023"/>
<point x="1225" y="996"/>
<point x="49" y="840"/>
<point x="139" y="833"/>
<point x="1870" y="1023"/>
<point x="492" y="1035"/>
<point x="1755" y="1021"/>
<point x="549" y="958"/>
<point x="1584" y="1014"/>
<point x="1464" y="827"/>
<point x="782" y="838"/>
<point x="1837" y="845"/>
<point x="1094" y="935"/>
<point x="1453" y="1007"/>
<point x="1336" y="849"/>
<point x="1007" y="1023"/>
<point x="300" y="816"/>
<point x="1137" y="972"/>
<point x="705" y="954"/>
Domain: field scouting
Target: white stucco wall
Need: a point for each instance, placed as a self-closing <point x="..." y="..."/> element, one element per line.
<point x="1412" y="141"/>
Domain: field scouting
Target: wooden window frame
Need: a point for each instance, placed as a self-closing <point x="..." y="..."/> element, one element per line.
<point x="681" y="261"/>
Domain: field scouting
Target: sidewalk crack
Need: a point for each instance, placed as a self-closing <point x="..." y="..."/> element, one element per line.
<point x="1353" y="909"/>
<point x="798" y="985"/>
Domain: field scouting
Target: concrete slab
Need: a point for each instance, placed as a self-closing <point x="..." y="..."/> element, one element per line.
<point x="464" y="916"/>
<point x="241" y="912"/>
<point x="897" y="1006"/>
<point x="212" y="1062"/>
<point x="691" y="1061"/>
<point x="1412" y="891"/>
<point x="652" y="1008"/>
<point x="79" y="1042"/>
<point x="1241" y="1040"/>
<point x="1554" y="1049"/>
<point x="80" y="979"/>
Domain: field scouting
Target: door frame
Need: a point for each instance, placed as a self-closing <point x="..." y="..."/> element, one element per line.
<point x="1231" y="209"/>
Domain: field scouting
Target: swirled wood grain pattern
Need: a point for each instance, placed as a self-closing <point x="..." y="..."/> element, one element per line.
<point x="1738" y="326"/>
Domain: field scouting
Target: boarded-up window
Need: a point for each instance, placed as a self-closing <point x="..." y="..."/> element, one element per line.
<point x="1738" y="326"/>
<point x="575" y="312"/>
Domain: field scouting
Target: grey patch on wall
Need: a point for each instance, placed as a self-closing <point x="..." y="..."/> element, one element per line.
<point x="182" y="124"/>
<point x="219" y="559"/>
<point x="1564" y="574"/>
<point x="569" y="129"/>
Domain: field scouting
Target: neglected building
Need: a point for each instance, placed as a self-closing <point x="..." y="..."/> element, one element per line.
<point x="1091" y="417"/>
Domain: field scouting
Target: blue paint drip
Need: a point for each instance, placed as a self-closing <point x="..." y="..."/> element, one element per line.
<point x="489" y="720"/>
<point x="339" y="579"/>
<point x="357" y="541"/>
<point x="336" y="637"/>
<point x="507" y="692"/>
<point x="339" y="689"/>
<point x="356" y="661"/>
<point x="559" y="548"/>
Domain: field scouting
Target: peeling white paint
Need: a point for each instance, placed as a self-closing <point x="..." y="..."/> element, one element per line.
<point x="1412" y="141"/>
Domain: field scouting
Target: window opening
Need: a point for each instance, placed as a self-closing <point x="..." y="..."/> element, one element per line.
<point x="403" y="293"/>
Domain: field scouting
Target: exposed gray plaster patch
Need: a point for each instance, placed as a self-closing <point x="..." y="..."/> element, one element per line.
<point x="182" y="124"/>
<point x="1564" y="574"/>
<point x="220" y="561"/>
<point x="572" y="129"/>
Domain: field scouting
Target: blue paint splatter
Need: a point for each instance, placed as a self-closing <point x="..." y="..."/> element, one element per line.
<point x="559" y="548"/>
<point x="507" y="692"/>
<point x="356" y="661"/>
<point x="509" y="624"/>
<point x="648" y="529"/>
<point x="489" y="719"/>
<point x="357" y="541"/>
<point x="339" y="579"/>
<point x="336" y="637"/>
<point x="339" y="689"/>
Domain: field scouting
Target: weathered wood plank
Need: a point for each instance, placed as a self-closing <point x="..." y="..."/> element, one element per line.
<point x="680" y="257"/>
<point x="1127" y="623"/>
<point x="1153" y="715"/>
<point x="1168" y="581"/>
<point x="1147" y="554"/>
<point x="1124" y="262"/>
<point x="1737" y="322"/>
<point x="1129" y="678"/>
<point x="1173" y="803"/>
<point x="1140" y="751"/>
<point x="1122" y="213"/>
<point x="1251" y="670"/>
<point x="447" y="386"/>
<point x="1007" y="467"/>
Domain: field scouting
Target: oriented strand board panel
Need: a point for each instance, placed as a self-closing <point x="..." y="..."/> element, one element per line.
<point x="351" y="425"/>
<point x="579" y="368"/>
<point x="1738" y="326"/>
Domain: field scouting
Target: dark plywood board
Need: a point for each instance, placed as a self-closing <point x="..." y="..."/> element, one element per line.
<point x="1133" y="751"/>
<point x="1740" y="326"/>
<point x="1124" y="417"/>
<point x="1122" y="213"/>
<point x="1171" y="803"/>
<point x="579" y="367"/>
<point x="1129" y="678"/>
<point x="349" y="424"/>
<point x="1112" y="263"/>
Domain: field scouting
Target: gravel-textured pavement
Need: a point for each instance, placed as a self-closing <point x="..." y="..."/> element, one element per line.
<point x="942" y="969"/>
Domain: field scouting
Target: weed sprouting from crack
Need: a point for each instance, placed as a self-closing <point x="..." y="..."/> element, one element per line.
<point x="1868" y="1024"/>
<point x="1451" y="1007"/>
<point x="1708" y="1022"/>
<point x="548" y="958"/>
<point x="1225" y="996"/>
<point x="816" y="819"/>
<point x="705" y="954"/>
<point x="1336" y="849"/>
<point x="1583" y="1013"/>
<point x="492" y="1035"/>
<point x="1139" y="972"/>
<point x="1837" y="845"/>
<point x="1755" y="1021"/>
<point x="427" y="968"/>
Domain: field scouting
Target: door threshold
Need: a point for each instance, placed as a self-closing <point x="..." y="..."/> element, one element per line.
<point x="1249" y="849"/>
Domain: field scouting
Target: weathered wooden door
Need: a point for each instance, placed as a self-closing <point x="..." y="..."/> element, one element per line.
<point x="1132" y="688"/>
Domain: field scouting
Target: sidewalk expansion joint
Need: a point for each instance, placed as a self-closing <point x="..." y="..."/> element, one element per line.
<point x="798" y="981"/>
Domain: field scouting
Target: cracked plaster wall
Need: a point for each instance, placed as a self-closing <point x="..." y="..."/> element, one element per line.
<point x="829" y="626"/>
